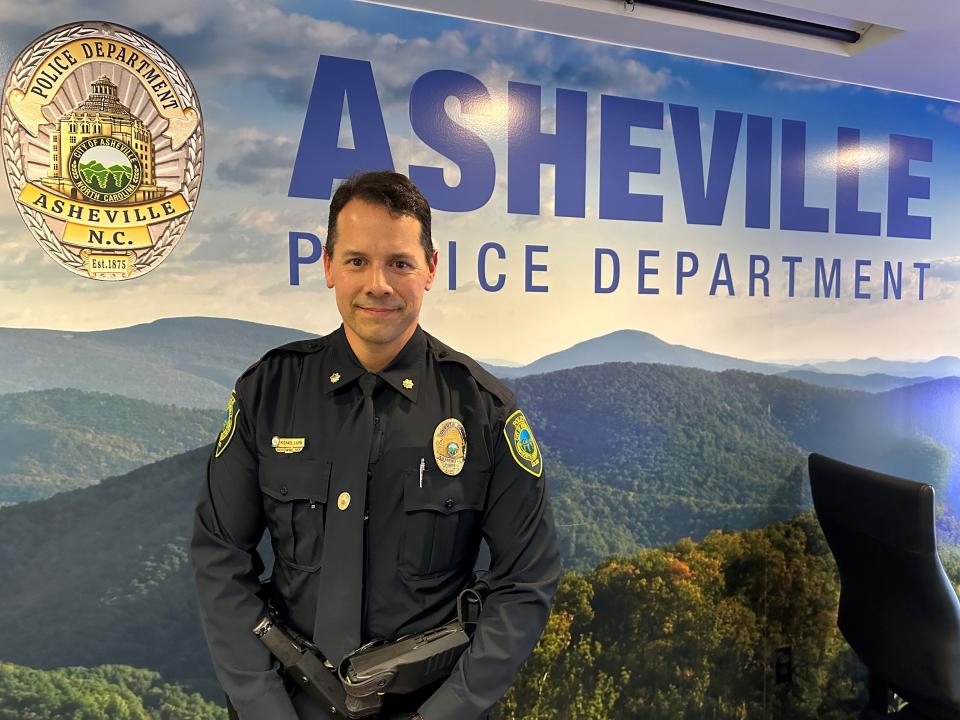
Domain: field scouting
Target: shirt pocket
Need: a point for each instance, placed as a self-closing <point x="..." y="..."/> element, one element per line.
<point x="441" y="520"/>
<point x="294" y="502"/>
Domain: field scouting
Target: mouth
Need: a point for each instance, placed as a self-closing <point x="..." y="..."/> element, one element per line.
<point x="378" y="311"/>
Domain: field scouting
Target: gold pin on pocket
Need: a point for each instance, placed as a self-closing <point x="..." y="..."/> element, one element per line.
<point x="288" y="445"/>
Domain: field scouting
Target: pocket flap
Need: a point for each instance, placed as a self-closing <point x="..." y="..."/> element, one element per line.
<point x="444" y="493"/>
<point x="286" y="478"/>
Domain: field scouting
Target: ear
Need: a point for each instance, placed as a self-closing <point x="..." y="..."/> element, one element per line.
<point x="327" y="273"/>
<point x="432" y="268"/>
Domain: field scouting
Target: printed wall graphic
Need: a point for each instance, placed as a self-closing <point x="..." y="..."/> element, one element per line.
<point x="103" y="148"/>
<point x="692" y="275"/>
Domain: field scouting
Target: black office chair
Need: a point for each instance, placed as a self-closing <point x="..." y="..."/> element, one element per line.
<point x="898" y="610"/>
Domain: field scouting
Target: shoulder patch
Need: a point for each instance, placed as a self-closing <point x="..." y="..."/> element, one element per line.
<point x="523" y="445"/>
<point x="229" y="424"/>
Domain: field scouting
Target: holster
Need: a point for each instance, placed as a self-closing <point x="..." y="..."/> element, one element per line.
<point x="356" y="688"/>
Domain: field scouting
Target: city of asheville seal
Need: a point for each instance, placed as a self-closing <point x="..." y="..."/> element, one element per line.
<point x="103" y="148"/>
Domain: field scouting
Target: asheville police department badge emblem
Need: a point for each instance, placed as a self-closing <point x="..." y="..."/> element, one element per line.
<point x="523" y="445"/>
<point x="103" y="148"/>
<point x="229" y="424"/>
<point x="450" y="446"/>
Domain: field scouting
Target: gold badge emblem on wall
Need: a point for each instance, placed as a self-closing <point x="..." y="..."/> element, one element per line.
<point x="103" y="148"/>
<point x="450" y="446"/>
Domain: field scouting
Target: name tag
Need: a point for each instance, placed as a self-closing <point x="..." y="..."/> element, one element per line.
<point x="288" y="445"/>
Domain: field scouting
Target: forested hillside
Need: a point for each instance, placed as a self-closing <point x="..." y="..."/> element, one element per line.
<point x="110" y="692"/>
<point x="56" y="440"/>
<point x="690" y="632"/>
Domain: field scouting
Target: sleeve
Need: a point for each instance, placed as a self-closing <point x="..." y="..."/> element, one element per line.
<point x="228" y="525"/>
<point x="518" y="526"/>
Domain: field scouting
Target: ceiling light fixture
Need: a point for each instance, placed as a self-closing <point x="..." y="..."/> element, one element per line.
<point x="752" y="17"/>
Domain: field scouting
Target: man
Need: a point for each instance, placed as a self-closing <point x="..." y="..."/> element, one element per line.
<point x="377" y="458"/>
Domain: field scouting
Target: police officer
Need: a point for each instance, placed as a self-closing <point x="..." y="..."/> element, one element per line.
<point x="378" y="458"/>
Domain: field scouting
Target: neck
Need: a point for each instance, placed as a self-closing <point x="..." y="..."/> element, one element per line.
<point x="376" y="356"/>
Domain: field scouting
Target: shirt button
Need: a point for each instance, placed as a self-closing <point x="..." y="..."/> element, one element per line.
<point x="283" y="490"/>
<point x="449" y="503"/>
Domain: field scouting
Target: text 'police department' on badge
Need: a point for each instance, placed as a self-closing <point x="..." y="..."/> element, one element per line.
<point x="450" y="446"/>
<point x="103" y="148"/>
<point x="523" y="445"/>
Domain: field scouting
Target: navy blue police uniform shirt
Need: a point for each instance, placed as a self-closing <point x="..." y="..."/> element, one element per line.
<point x="423" y="526"/>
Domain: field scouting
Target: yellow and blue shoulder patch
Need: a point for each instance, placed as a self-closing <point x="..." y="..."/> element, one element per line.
<point x="229" y="424"/>
<point x="523" y="445"/>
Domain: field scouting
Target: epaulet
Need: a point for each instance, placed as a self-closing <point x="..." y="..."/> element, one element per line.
<point x="302" y="347"/>
<point x="489" y="382"/>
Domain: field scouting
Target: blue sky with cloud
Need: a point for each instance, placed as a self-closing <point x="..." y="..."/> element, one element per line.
<point x="253" y="63"/>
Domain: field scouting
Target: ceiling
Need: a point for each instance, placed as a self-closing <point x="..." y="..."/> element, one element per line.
<point x="907" y="46"/>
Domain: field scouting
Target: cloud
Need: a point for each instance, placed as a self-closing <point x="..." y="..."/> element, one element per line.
<point x="259" y="159"/>
<point x="946" y="269"/>
<point x="798" y="83"/>
<point x="952" y="113"/>
<point x="251" y="235"/>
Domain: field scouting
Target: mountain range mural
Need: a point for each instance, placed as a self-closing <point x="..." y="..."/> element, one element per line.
<point x="683" y="475"/>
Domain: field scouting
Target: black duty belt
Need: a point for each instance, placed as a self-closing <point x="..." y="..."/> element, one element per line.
<point x="355" y="689"/>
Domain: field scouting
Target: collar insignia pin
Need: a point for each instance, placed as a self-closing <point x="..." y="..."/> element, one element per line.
<point x="335" y="377"/>
<point x="408" y="383"/>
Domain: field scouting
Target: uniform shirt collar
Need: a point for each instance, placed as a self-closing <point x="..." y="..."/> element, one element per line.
<point x="403" y="374"/>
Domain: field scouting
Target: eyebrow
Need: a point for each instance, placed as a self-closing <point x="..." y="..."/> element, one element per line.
<point x="406" y="257"/>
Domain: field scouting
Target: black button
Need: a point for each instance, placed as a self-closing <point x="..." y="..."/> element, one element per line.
<point x="283" y="490"/>
<point x="443" y="353"/>
<point x="449" y="503"/>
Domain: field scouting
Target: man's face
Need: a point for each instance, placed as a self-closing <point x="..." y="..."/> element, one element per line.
<point x="379" y="274"/>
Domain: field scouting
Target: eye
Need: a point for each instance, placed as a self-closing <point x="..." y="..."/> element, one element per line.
<point x="401" y="264"/>
<point x="355" y="262"/>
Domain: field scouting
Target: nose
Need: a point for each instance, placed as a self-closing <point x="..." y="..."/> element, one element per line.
<point x="377" y="281"/>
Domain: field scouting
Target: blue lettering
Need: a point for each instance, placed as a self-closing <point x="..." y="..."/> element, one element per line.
<point x="791" y="261"/>
<point x="598" y="286"/>
<point x="431" y="123"/>
<point x="759" y="170"/>
<point x="682" y="273"/>
<point x="482" y="267"/>
<point x="704" y="203"/>
<point x="296" y="259"/>
<point x="452" y="265"/>
<point x="820" y="272"/>
<point x="894" y="283"/>
<point x="921" y="266"/>
<point x="762" y="275"/>
<point x="794" y="215"/>
<point x="528" y="148"/>
<point x="860" y="278"/>
<point x="642" y="289"/>
<point x="850" y="218"/>
<point x="531" y="268"/>
<point x="618" y="158"/>
<point x="902" y="186"/>
<point x="723" y="266"/>
<point x="319" y="159"/>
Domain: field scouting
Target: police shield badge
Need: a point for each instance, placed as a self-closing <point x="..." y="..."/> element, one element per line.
<point x="450" y="446"/>
<point x="523" y="445"/>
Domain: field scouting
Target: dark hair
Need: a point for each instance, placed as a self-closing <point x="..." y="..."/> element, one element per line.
<point x="389" y="190"/>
